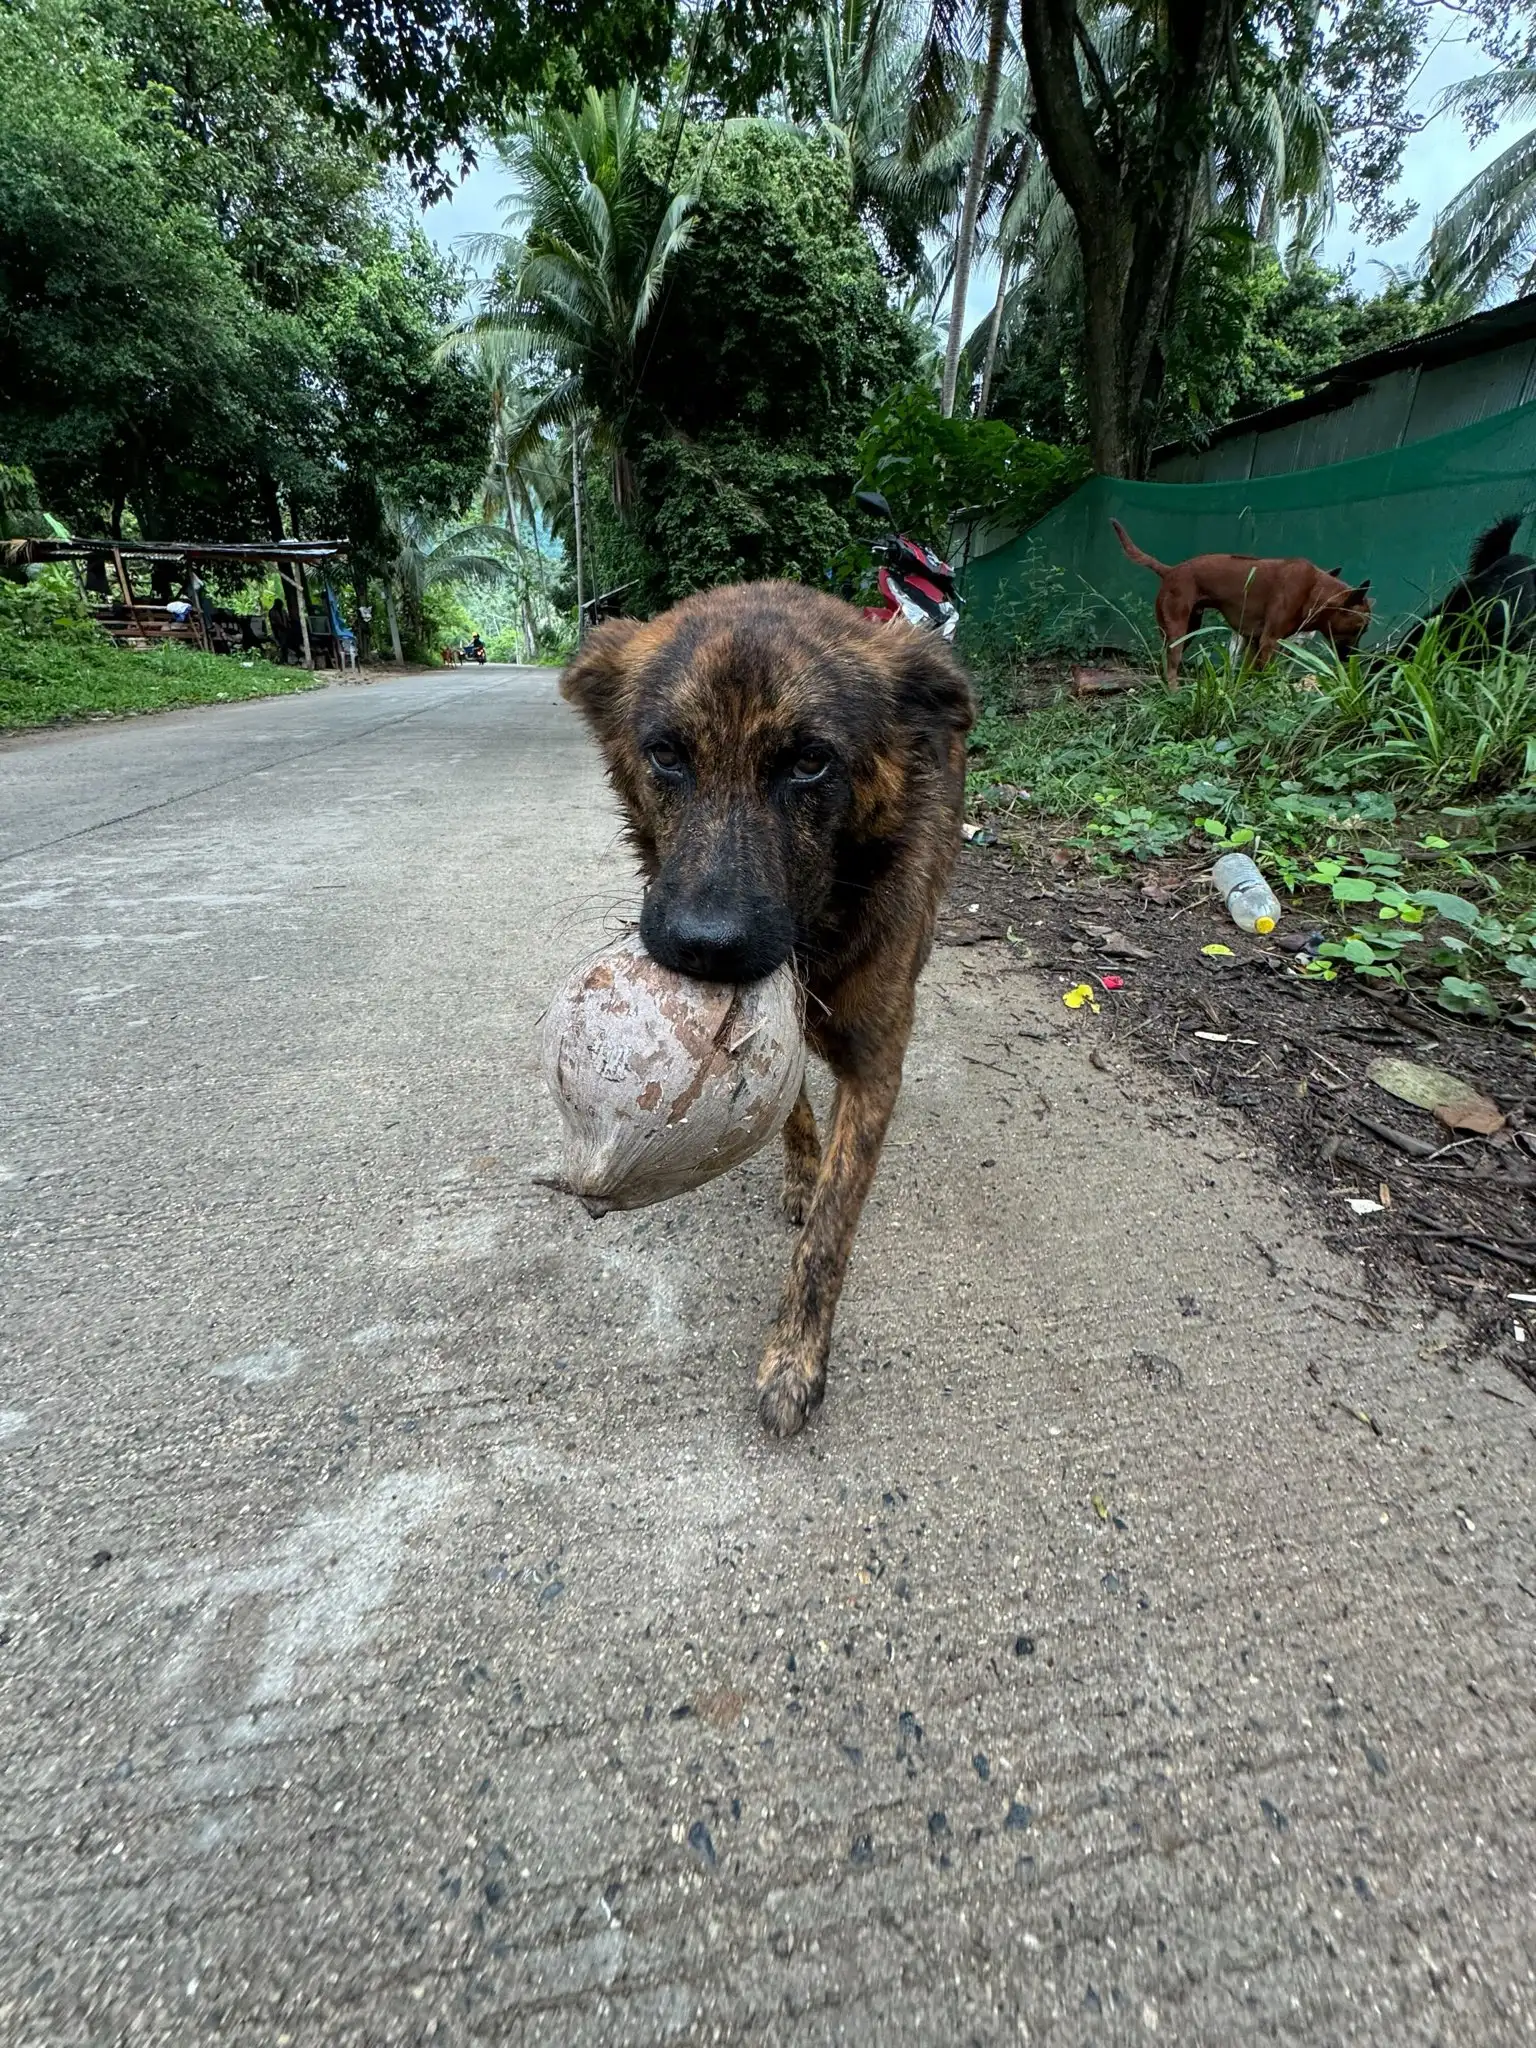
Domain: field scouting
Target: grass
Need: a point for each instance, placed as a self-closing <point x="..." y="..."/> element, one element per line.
<point x="1390" y="792"/>
<point x="72" y="672"/>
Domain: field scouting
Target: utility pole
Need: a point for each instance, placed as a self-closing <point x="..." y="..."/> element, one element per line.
<point x="581" y="619"/>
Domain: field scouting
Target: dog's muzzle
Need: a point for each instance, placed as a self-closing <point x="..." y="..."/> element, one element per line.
<point x="713" y="934"/>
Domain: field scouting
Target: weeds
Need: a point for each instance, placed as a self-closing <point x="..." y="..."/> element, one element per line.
<point x="1358" y="778"/>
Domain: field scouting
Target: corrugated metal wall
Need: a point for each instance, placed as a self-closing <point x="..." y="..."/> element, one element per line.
<point x="1407" y="405"/>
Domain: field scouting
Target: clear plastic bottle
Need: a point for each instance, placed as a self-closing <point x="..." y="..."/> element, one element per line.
<point x="1250" y="901"/>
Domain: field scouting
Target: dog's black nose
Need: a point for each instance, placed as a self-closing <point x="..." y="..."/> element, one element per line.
<point x="712" y="939"/>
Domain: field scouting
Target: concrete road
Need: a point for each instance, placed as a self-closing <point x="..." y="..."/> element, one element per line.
<point x="406" y="1633"/>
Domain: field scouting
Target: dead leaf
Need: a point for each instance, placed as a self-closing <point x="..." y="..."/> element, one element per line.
<point x="1118" y="944"/>
<point x="1453" y="1101"/>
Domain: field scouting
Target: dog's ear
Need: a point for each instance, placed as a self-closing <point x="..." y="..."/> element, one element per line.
<point x="599" y="681"/>
<point x="1336" y="570"/>
<point x="933" y="695"/>
<point x="1357" y="595"/>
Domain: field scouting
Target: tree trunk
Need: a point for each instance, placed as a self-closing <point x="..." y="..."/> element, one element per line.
<point x="576" y="519"/>
<point x="994" y="329"/>
<point x="394" y="626"/>
<point x="1131" y="186"/>
<point x="1104" y="380"/>
<point x="997" y="36"/>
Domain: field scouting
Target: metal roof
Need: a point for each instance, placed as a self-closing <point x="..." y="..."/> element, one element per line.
<point x="80" y="550"/>
<point x="1328" y="390"/>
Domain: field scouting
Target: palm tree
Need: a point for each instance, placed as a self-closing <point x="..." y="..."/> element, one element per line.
<point x="1486" y="237"/>
<point x="424" y="555"/>
<point x="853" y="83"/>
<point x="579" y="273"/>
<point x="975" y="181"/>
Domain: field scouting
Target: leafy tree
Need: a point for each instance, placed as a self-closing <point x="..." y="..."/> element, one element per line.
<point x="770" y="348"/>
<point x="850" y="82"/>
<point x="397" y="425"/>
<point x="1486" y="237"/>
<point x="216" y="322"/>
<point x="1165" y="119"/>
<point x="576" y="289"/>
<point x="435" y="72"/>
<point x="937" y="471"/>
<point x="1128" y="158"/>
<point x="124" y="322"/>
<point x="1247" y="333"/>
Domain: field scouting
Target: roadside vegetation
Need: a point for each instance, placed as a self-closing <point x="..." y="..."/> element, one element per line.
<point x="55" y="666"/>
<point x="1393" y="797"/>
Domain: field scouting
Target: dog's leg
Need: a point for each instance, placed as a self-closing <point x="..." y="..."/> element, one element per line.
<point x="1173" y="624"/>
<point x="802" y="1158"/>
<point x="793" y="1374"/>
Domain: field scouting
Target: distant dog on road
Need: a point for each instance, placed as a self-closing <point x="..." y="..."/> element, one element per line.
<point x="1265" y="599"/>
<point x="1496" y="597"/>
<point x="793" y="778"/>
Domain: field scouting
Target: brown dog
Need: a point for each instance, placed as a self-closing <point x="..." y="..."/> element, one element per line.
<point x="1265" y="599"/>
<point x="793" y="779"/>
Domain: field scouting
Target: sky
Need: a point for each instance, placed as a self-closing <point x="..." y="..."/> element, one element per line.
<point x="1436" y="164"/>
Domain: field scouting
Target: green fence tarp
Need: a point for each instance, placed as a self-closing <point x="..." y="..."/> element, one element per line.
<point x="1405" y="519"/>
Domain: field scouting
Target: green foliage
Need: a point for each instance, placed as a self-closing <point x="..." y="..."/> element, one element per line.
<point x="935" y="470"/>
<point x="576" y="295"/>
<point x="204" y="301"/>
<point x="446" y="619"/>
<point x="21" y="509"/>
<point x="773" y="341"/>
<point x="122" y="317"/>
<point x="776" y="319"/>
<point x="1312" y="766"/>
<point x="733" y="508"/>
<point x="1245" y="334"/>
<point x="48" y="675"/>
<point x="433" y="72"/>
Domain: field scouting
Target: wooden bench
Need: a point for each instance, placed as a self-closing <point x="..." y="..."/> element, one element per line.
<point x="148" y="625"/>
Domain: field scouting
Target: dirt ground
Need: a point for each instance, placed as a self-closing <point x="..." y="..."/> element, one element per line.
<point x="1245" y="1033"/>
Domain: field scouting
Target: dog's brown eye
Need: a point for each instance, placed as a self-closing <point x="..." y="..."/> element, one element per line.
<point x="665" y="759"/>
<point x="810" y="764"/>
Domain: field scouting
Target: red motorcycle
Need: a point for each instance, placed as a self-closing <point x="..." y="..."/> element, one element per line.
<point x="916" y="586"/>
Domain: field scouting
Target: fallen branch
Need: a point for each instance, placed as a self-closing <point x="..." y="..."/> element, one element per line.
<point x="1416" y="1148"/>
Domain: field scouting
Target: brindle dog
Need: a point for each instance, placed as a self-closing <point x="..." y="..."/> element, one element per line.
<point x="793" y="777"/>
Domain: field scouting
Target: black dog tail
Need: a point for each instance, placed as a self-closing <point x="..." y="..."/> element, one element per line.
<point x="1494" y="545"/>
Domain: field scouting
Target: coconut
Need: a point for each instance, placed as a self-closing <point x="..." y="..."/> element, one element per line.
<point x="663" y="1082"/>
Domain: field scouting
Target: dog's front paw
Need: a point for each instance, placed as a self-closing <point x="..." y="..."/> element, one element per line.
<point x="788" y="1388"/>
